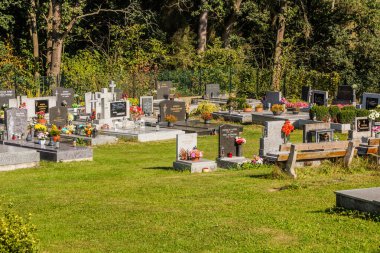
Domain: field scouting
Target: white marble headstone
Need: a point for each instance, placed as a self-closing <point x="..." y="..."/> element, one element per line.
<point x="186" y="142"/>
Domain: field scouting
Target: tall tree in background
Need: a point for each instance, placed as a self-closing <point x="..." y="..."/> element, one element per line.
<point x="202" y="29"/>
<point x="231" y="21"/>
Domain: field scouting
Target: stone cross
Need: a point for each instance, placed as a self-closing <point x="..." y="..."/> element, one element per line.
<point x="93" y="102"/>
<point x="112" y="86"/>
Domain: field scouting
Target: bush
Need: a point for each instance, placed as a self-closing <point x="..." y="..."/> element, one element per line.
<point x="346" y="116"/>
<point x="206" y="107"/>
<point x="237" y="103"/>
<point x="349" y="108"/>
<point x="334" y="111"/>
<point x="362" y="113"/>
<point x="321" y="113"/>
<point x="16" y="235"/>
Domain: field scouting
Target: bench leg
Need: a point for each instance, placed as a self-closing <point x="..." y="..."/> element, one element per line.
<point x="349" y="154"/>
<point x="291" y="163"/>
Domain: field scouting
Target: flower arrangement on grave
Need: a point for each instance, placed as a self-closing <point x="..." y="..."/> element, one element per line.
<point x="297" y="104"/>
<point x="376" y="130"/>
<point x="170" y="118"/>
<point x="93" y="115"/>
<point x="277" y="109"/>
<point x="136" y="112"/>
<point x="259" y="107"/>
<point x="257" y="160"/>
<point x="240" y="140"/>
<point x="40" y="115"/>
<point x="195" y="154"/>
<point x="74" y="105"/>
<point x="183" y="154"/>
<point x="22" y="106"/>
<point x="70" y="129"/>
<point x="40" y="127"/>
<point x="42" y="135"/>
<point x="55" y="132"/>
<point x="247" y="107"/>
<point x="206" y="107"/>
<point x="287" y="129"/>
<point x="374" y="115"/>
<point x="70" y="117"/>
<point x="206" y="116"/>
<point x="88" y="129"/>
<point x="133" y="101"/>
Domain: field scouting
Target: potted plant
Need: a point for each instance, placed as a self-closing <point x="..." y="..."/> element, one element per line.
<point x="239" y="141"/>
<point x="206" y="116"/>
<point x="75" y="106"/>
<point x="259" y="107"/>
<point x="195" y="154"/>
<point x="42" y="137"/>
<point x="277" y="109"/>
<point x="38" y="128"/>
<point x="171" y="119"/>
<point x="41" y="117"/>
<point x="247" y="107"/>
<point x="376" y="130"/>
<point x="55" y="133"/>
<point x="286" y="129"/>
<point x="88" y="130"/>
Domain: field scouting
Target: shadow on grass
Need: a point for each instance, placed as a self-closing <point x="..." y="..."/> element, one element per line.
<point x="340" y="211"/>
<point x="159" y="168"/>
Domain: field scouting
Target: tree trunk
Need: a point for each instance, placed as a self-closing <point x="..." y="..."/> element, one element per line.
<point x="56" y="53"/>
<point x="277" y="69"/>
<point x="49" y="43"/>
<point x="34" y="35"/>
<point x="202" y="33"/>
<point x="229" y="25"/>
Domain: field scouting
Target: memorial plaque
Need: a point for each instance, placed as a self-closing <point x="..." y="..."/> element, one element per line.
<point x="118" y="109"/>
<point x="362" y="125"/>
<point x="16" y="122"/>
<point x="58" y="116"/>
<point x="146" y="103"/>
<point x="163" y="89"/>
<point x="176" y="108"/>
<point x="371" y="103"/>
<point x="186" y="142"/>
<point x="227" y="144"/>
<point x="212" y="90"/>
<point x="306" y="93"/>
<point x="5" y="95"/>
<point x="64" y="95"/>
<point x="42" y="105"/>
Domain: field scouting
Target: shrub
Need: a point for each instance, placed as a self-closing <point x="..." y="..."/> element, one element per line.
<point x="277" y="108"/>
<point x="334" y="111"/>
<point x="346" y="116"/>
<point x="349" y="108"/>
<point x="206" y="116"/>
<point x="16" y="235"/>
<point x="236" y="103"/>
<point x="321" y="113"/>
<point x="206" y="107"/>
<point x="362" y="113"/>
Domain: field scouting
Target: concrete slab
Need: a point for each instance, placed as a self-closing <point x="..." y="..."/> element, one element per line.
<point x="144" y="135"/>
<point x="365" y="200"/>
<point x="12" y="158"/>
<point x="195" y="167"/>
<point x="232" y="162"/>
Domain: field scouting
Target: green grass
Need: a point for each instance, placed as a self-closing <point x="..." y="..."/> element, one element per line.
<point x="129" y="200"/>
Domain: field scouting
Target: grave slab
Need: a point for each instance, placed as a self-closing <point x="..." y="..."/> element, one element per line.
<point x="144" y="135"/>
<point x="233" y="162"/>
<point x="365" y="200"/>
<point x="195" y="167"/>
<point x="12" y="158"/>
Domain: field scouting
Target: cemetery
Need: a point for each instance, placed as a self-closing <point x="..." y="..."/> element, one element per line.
<point x="190" y="126"/>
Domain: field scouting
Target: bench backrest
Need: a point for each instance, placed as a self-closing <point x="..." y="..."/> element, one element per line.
<point x="321" y="146"/>
<point x="374" y="142"/>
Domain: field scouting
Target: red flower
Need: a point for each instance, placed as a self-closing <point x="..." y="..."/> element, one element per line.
<point x="287" y="128"/>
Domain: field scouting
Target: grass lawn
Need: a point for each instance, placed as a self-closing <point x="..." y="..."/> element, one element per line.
<point x="129" y="200"/>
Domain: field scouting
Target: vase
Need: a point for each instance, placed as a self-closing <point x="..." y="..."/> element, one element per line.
<point x="170" y="124"/>
<point x="56" y="138"/>
<point x="42" y="121"/>
<point x="286" y="139"/>
<point x="377" y="135"/>
<point x="29" y="137"/>
<point x="260" y="109"/>
<point x="277" y="113"/>
<point x="239" y="151"/>
<point x="42" y="142"/>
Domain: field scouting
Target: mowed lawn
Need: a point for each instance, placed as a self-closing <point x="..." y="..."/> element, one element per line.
<point x="130" y="200"/>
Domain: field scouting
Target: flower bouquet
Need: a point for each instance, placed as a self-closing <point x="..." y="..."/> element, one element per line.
<point x="136" y="112"/>
<point x="277" y="109"/>
<point x="41" y="117"/>
<point x="40" y="127"/>
<point x="376" y="130"/>
<point x="257" y="160"/>
<point x="374" y="115"/>
<point x="240" y="140"/>
<point x="42" y="137"/>
<point x="195" y="154"/>
<point x="170" y="119"/>
<point x="286" y="129"/>
<point x="55" y="133"/>
<point x="206" y="116"/>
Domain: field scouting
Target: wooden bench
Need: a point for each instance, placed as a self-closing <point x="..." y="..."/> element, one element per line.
<point x="370" y="148"/>
<point x="315" y="151"/>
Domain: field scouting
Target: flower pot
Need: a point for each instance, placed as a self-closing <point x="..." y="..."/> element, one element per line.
<point x="170" y="124"/>
<point x="260" y="109"/>
<point x="56" y="138"/>
<point x="207" y="121"/>
<point x="247" y="110"/>
<point x="42" y="121"/>
<point x="42" y="142"/>
<point x="277" y="113"/>
<point x="377" y="135"/>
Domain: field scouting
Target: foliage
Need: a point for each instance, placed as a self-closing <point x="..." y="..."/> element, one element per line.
<point x="16" y="233"/>
<point x="54" y="131"/>
<point x="321" y="113"/>
<point x="206" y="116"/>
<point x="362" y="113"/>
<point x="334" y="111"/>
<point x="237" y="103"/>
<point x="346" y="116"/>
<point x="206" y="107"/>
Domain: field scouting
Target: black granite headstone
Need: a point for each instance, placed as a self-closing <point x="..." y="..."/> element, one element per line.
<point x="227" y="144"/>
<point x="58" y="116"/>
<point x="212" y="90"/>
<point x="64" y="95"/>
<point x="319" y="98"/>
<point x="371" y="103"/>
<point x="176" y="108"/>
<point x="345" y="92"/>
<point x="272" y="97"/>
<point x="147" y="105"/>
<point x="362" y="125"/>
<point x="163" y="89"/>
<point x="118" y="109"/>
<point x="42" y="105"/>
<point x="5" y="95"/>
<point x="16" y="122"/>
<point x="306" y="93"/>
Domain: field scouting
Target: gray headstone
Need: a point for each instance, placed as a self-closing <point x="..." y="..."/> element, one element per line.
<point x="212" y="90"/>
<point x="186" y="142"/>
<point x="119" y="94"/>
<point x="227" y="144"/>
<point x="64" y="95"/>
<point x="319" y="97"/>
<point x="5" y="96"/>
<point x="272" y="137"/>
<point x="16" y="121"/>
<point x="370" y="100"/>
<point x="362" y="129"/>
<point x="146" y="103"/>
<point x="58" y="116"/>
<point x="345" y="93"/>
<point x="118" y="109"/>
<point x="176" y="108"/>
<point x="273" y="97"/>
<point x="163" y="89"/>
<point x="310" y="127"/>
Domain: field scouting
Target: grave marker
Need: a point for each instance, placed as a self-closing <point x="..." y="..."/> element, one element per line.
<point x="5" y="96"/>
<point x="370" y="100"/>
<point x="362" y="129"/>
<point x="227" y="134"/>
<point x="319" y="97"/>
<point x="41" y="105"/>
<point x="186" y="142"/>
<point x="176" y="108"/>
<point x="64" y="95"/>
<point x="58" y="116"/>
<point x="118" y="109"/>
<point x="212" y="90"/>
<point x="16" y="122"/>
<point x="163" y="89"/>
<point x="146" y="103"/>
